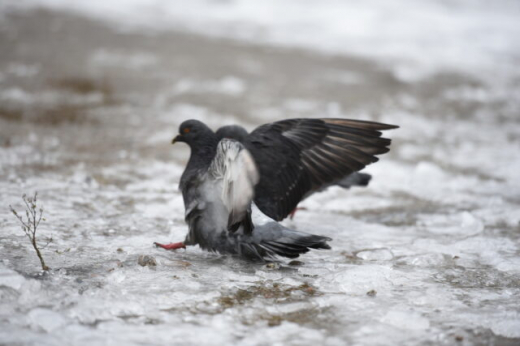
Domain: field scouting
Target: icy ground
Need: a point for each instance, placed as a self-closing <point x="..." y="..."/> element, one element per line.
<point x="91" y="94"/>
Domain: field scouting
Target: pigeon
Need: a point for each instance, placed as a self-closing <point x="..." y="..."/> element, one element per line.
<point x="235" y="132"/>
<point x="240" y="134"/>
<point x="275" y="166"/>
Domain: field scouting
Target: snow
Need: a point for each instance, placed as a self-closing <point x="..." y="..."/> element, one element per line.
<point x="428" y="253"/>
<point x="432" y="34"/>
<point x="136" y="60"/>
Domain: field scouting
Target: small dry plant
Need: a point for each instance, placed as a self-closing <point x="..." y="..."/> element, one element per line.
<point x="30" y="226"/>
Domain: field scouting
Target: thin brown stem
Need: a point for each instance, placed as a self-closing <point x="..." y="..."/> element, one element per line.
<point x="30" y="226"/>
<point x="44" y="267"/>
<point x="40" y="218"/>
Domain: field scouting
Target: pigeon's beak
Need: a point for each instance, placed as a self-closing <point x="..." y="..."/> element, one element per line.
<point x="179" y="138"/>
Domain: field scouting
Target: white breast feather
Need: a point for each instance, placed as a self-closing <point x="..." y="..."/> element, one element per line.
<point x="235" y="173"/>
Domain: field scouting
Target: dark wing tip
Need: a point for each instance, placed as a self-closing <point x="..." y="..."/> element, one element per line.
<point x="389" y="126"/>
<point x="360" y="124"/>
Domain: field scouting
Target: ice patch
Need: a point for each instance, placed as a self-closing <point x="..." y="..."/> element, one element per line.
<point x="428" y="250"/>
<point x="375" y="255"/>
<point x="425" y="260"/>
<point x="406" y="320"/>
<point x="509" y="327"/>
<point x="10" y="278"/>
<point x="45" y="319"/>
<point x="459" y="224"/>
<point x="360" y="280"/>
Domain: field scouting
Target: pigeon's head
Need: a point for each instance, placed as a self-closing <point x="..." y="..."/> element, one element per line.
<point x="233" y="132"/>
<point x="193" y="131"/>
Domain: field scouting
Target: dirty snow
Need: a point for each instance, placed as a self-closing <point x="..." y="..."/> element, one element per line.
<point x="428" y="253"/>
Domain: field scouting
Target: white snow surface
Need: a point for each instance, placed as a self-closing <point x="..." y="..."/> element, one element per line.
<point x="416" y="38"/>
<point x="427" y="254"/>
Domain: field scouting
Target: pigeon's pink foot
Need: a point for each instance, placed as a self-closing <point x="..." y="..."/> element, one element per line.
<point x="292" y="213"/>
<point x="171" y="246"/>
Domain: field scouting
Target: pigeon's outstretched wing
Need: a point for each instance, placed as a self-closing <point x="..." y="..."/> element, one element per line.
<point x="297" y="157"/>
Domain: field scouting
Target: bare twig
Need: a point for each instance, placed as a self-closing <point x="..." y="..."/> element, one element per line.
<point x="30" y="226"/>
<point x="49" y="240"/>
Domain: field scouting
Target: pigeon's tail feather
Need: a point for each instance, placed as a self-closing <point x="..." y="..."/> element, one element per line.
<point x="276" y="240"/>
<point x="252" y="251"/>
<point x="266" y="242"/>
<point x="296" y="249"/>
<point x="354" y="179"/>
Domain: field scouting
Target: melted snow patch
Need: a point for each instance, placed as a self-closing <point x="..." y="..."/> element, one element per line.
<point x="406" y="320"/>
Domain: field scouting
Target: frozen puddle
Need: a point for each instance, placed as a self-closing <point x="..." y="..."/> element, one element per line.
<point x="428" y="253"/>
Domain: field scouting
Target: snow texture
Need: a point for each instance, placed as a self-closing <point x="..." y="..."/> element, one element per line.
<point x="428" y="253"/>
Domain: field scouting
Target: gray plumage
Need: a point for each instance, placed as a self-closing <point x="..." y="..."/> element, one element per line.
<point x="224" y="176"/>
<point x="235" y="132"/>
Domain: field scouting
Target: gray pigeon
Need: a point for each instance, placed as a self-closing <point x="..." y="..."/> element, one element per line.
<point x="276" y="166"/>
<point x="240" y="134"/>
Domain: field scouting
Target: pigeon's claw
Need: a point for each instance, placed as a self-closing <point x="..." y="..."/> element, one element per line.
<point x="171" y="246"/>
<point x="292" y="213"/>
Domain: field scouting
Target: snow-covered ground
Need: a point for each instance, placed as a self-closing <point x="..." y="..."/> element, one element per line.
<point x="92" y="92"/>
<point x="417" y="38"/>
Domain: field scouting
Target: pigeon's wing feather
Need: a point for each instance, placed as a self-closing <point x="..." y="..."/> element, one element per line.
<point x="297" y="157"/>
<point x="234" y="176"/>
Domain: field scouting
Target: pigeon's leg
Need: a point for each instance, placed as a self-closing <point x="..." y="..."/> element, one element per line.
<point x="292" y="213"/>
<point x="171" y="246"/>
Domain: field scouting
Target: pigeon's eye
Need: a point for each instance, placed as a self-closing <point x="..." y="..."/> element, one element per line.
<point x="186" y="130"/>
